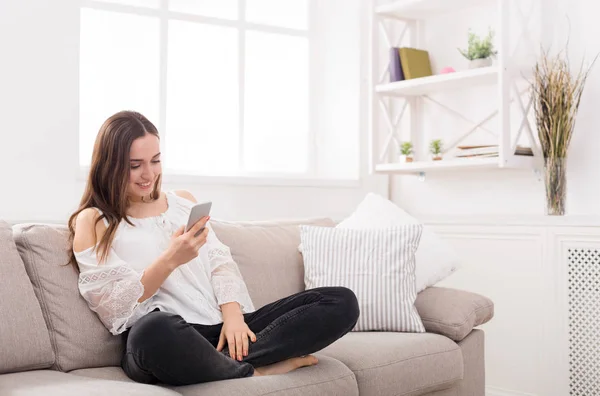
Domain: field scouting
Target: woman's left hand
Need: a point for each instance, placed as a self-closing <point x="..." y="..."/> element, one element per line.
<point x="236" y="333"/>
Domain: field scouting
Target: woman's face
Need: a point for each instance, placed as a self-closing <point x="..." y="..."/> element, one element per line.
<point x="144" y="166"/>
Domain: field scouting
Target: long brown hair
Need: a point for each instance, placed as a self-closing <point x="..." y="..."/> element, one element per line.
<point x="108" y="179"/>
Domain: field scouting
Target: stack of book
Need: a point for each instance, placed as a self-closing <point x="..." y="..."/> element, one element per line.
<point x="408" y="63"/>
<point x="485" y="151"/>
<point x="524" y="151"/>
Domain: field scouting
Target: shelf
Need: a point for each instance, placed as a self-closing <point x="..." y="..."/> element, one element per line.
<point x="496" y="84"/>
<point x="453" y="164"/>
<point x="440" y="82"/>
<point x="423" y="9"/>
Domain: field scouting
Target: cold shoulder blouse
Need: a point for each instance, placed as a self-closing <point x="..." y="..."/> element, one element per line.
<point x="194" y="290"/>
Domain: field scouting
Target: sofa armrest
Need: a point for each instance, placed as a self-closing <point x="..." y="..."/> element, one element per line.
<point x="451" y="312"/>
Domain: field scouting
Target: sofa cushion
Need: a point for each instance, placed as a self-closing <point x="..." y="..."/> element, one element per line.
<point x="451" y="312"/>
<point x="378" y="265"/>
<point x="267" y="255"/>
<point x="399" y="364"/>
<point x="110" y="373"/>
<point x="23" y="333"/>
<point x="454" y="391"/>
<point x="329" y="377"/>
<point x="55" y="383"/>
<point x="435" y="258"/>
<point x="78" y="337"/>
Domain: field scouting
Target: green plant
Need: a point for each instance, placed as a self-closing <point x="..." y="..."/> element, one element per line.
<point x="436" y="146"/>
<point x="478" y="48"/>
<point x="406" y="148"/>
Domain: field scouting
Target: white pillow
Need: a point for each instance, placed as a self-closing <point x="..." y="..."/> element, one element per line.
<point x="435" y="258"/>
<point x="377" y="265"/>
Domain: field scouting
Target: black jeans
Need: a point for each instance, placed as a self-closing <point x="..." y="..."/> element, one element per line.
<point x="162" y="347"/>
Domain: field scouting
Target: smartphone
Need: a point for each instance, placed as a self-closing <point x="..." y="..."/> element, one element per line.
<point x="198" y="211"/>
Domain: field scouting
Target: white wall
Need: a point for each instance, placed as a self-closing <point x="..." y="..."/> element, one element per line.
<point x="545" y="319"/>
<point x="38" y="138"/>
<point x="39" y="42"/>
<point x="520" y="191"/>
<point x="336" y="62"/>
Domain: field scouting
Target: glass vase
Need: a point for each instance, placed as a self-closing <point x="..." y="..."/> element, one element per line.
<point x="555" y="180"/>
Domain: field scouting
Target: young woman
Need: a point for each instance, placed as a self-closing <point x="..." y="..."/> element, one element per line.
<point x="178" y="298"/>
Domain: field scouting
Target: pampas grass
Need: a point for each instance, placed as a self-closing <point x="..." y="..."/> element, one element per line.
<point x="557" y="95"/>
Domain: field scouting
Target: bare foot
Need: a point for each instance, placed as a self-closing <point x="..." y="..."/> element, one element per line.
<point x="286" y="366"/>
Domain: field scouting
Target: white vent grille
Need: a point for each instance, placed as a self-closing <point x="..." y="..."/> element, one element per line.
<point x="584" y="321"/>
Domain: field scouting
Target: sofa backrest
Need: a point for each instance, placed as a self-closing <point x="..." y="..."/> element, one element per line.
<point x="267" y="255"/>
<point x="24" y="340"/>
<point x="79" y="338"/>
<point x="266" y="252"/>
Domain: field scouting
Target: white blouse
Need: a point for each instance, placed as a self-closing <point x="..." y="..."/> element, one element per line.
<point x="195" y="290"/>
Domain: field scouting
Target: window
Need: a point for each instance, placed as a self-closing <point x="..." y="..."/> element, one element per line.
<point x="230" y="84"/>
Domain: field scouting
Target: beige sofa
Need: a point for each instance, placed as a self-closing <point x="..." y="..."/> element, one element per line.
<point x="52" y="344"/>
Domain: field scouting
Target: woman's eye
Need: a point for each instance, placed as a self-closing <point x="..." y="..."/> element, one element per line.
<point x="137" y="166"/>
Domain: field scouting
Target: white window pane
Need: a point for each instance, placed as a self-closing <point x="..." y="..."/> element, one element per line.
<point x="226" y="9"/>
<point x="276" y="103"/>
<point x="289" y="13"/>
<point x="137" y="3"/>
<point x="202" y="99"/>
<point x="119" y="70"/>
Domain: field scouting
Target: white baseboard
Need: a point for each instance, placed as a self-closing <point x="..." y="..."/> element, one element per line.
<point x="492" y="391"/>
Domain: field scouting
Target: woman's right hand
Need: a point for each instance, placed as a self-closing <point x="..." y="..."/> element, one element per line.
<point x="184" y="245"/>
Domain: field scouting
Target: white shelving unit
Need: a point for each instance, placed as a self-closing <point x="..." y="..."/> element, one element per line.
<point x="440" y="82"/>
<point x="451" y="164"/>
<point x="410" y="94"/>
<point x="410" y="10"/>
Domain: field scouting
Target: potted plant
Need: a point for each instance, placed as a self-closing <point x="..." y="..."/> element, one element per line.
<point x="479" y="51"/>
<point x="435" y="148"/>
<point x="557" y="93"/>
<point x="406" y="152"/>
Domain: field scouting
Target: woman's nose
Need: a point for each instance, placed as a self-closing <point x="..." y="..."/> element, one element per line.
<point x="147" y="173"/>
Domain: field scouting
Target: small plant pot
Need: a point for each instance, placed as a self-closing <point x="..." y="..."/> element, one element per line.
<point x="436" y="157"/>
<point x="406" y="158"/>
<point x="477" y="63"/>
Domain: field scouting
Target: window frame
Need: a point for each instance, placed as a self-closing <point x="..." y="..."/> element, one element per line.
<point x="243" y="177"/>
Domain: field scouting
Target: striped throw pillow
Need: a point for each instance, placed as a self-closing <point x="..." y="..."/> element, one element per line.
<point x="378" y="265"/>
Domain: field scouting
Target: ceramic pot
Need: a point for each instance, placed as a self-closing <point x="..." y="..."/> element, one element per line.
<point x="477" y="63"/>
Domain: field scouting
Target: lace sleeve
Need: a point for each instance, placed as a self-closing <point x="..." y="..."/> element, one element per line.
<point x="226" y="279"/>
<point x="111" y="289"/>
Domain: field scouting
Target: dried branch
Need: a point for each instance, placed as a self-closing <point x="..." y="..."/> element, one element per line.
<point x="557" y="96"/>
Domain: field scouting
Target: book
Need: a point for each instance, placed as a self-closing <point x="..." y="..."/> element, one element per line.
<point x="471" y="147"/>
<point x="490" y="155"/>
<point x="476" y="150"/>
<point x="396" y="73"/>
<point x="524" y="151"/>
<point x="488" y="150"/>
<point x="415" y="63"/>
